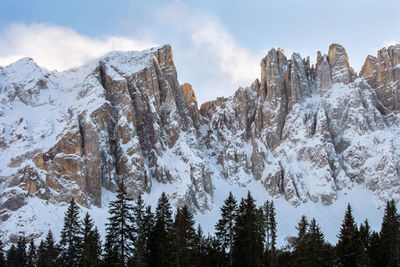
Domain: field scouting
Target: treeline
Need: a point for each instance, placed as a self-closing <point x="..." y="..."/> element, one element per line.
<point x="245" y="235"/>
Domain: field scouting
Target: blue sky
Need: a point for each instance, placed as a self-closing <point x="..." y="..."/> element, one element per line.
<point x="217" y="44"/>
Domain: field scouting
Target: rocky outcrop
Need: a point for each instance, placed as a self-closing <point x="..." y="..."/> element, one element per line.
<point x="301" y="132"/>
<point x="383" y="74"/>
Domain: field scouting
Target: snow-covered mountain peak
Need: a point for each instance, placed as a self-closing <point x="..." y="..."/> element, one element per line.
<point x="299" y="134"/>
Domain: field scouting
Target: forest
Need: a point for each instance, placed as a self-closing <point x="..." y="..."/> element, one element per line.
<point x="245" y="235"/>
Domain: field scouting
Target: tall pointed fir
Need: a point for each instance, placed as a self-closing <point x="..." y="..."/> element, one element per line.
<point x="119" y="229"/>
<point x="47" y="252"/>
<point x="316" y="255"/>
<point x="300" y="243"/>
<point x="270" y="230"/>
<point x="2" y="257"/>
<point x="71" y="237"/>
<point x="161" y="242"/>
<point x="31" y="255"/>
<point x="199" y="246"/>
<point x="365" y="243"/>
<point x="225" y="226"/>
<point x="184" y="233"/>
<point x="348" y="244"/>
<point x="139" y="254"/>
<point x="91" y="244"/>
<point x="248" y="244"/>
<point x="390" y="236"/>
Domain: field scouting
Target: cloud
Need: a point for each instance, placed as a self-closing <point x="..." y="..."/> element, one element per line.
<point x="206" y="53"/>
<point x="59" y="48"/>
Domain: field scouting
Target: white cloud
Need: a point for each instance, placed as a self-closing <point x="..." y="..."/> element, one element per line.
<point x="206" y="53"/>
<point x="56" y="47"/>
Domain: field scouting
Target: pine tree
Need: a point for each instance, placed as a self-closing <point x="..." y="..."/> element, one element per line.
<point x="199" y="246"/>
<point x="365" y="236"/>
<point x="161" y="242"/>
<point x="21" y="251"/>
<point x="374" y="253"/>
<point x="348" y="244"/>
<point x="225" y="226"/>
<point x="390" y="236"/>
<point x="270" y="229"/>
<point x="2" y="257"/>
<point x="12" y="257"/>
<point x="71" y="237"/>
<point x="315" y="248"/>
<point x="300" y="243"/>
<point x="119" y="236"/>
<point x="31" y="257"/>
<point x="248" y="244"/>
<point x="91" y="244"/>
<point x="48" y="252"/>
<point x="183" y="229"/>
<point x="140" y="253"/>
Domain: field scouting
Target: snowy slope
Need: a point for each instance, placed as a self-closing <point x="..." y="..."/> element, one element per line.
<point x="311" y="138"/>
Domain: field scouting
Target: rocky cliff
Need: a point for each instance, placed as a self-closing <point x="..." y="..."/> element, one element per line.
<point x="304" y="132"/>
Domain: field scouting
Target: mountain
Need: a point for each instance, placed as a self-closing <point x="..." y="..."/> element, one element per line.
<point x="304" y="135"/>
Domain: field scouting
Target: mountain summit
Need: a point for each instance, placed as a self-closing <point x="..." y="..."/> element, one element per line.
<point x="301" y="132"/>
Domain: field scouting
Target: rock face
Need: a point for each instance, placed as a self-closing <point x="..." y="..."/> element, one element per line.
<point x="383" y="74"/>
<point x="302" y="132"/>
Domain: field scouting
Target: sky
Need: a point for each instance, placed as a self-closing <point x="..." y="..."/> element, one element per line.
<point x="217" y="44"/>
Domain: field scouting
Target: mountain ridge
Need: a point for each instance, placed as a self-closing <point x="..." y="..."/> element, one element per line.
<point x="302" y="132"/>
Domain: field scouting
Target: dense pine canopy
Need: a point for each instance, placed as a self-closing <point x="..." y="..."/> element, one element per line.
<point x="245" y="235"/>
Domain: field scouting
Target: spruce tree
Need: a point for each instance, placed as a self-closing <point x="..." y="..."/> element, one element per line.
<point x="139" y="212"/>
<point x="270" y="229"/>
<point x="390" y="236"/>
<point x="48" y="252"/>
<point x="119" y="229"/>
<point x="12" y="257"/>
<point x="315" y="248"/>
<point x="21" y="251"/>
<point x="161" y="242"/>
<point x="300" y="243"/>
<point x="183" y="229"/>
<point x="71" y="237"/>
<point x="2" y="257"/>
<point x="91" y="244"/>
<point x="374" y="252"/>
<point x="365" y="236"/>
<point x="199" y="246"/>
<point x="31" y="256"/>
<point x="248" y="244"/>
<point x="348" y="244"/>
<point x="225" y="226"/>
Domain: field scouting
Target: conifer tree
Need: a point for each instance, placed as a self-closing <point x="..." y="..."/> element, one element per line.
<point x="390" y="236"/>
<point x="119" y="229"/>
<point x="91" y="244"/>
<point x="2" y="257"/>
<point x="21" y="251"/>
<point x="183" y="229"/>
<point x="270" y="224"/>
<point x="161" y="242"/>
<point x="139" y="212"/>
<point x="199" y="252"/>
<point x="348" y="244"/>
<point x="315" y="248"/>
<point x="31" y="256"/>
<point x="248" y="244"/>
<point x="71" y="237"/>
<point x="48" y="252"/>
<point x="300" y="243"/>
<point x="12" y="257"/>
<point x="365" y="236"/>
<point x="374" y="254"/>
<point x="225" y="226"/>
